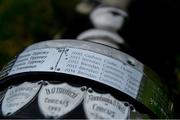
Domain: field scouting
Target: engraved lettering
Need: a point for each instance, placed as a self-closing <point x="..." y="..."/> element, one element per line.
<point x="103" y="110"/>
<point x="65" y="103"/>
<point x="107" y="100"/>
<point x="58" y="90"/>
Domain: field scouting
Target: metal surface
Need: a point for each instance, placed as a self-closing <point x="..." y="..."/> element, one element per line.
<point x="151" y="92"/>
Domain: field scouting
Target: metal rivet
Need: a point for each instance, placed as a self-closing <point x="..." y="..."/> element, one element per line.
<point x="90" y="90"/>
<point x="83" y="88"/>
<point x="126" y="104"/>
<point x="131" y="62"/>
<point x="132" y="108"/>
<point x="45" y="83"/>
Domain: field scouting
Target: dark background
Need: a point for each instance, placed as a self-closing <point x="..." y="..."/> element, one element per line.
<point x="152" y="34"/>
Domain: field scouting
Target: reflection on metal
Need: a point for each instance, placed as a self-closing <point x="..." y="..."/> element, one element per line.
<point x="104" y="106"/>
<point x="106" y="20"/>
<point x="17" y="97"/>
<point x="56" y="100"/>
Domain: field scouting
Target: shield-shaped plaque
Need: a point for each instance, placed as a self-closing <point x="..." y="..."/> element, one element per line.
<point x="17" y="97"/>
<point x="104" y="106"/>
<point x="56" y="100"/>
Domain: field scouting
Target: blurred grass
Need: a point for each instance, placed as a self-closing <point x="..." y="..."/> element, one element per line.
<point x="23" y="22"/>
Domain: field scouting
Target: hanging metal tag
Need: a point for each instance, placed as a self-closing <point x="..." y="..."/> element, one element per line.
<point x="56" y="100"/>
<point x="104" y="106"/>
<point x="18" y="96"/>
